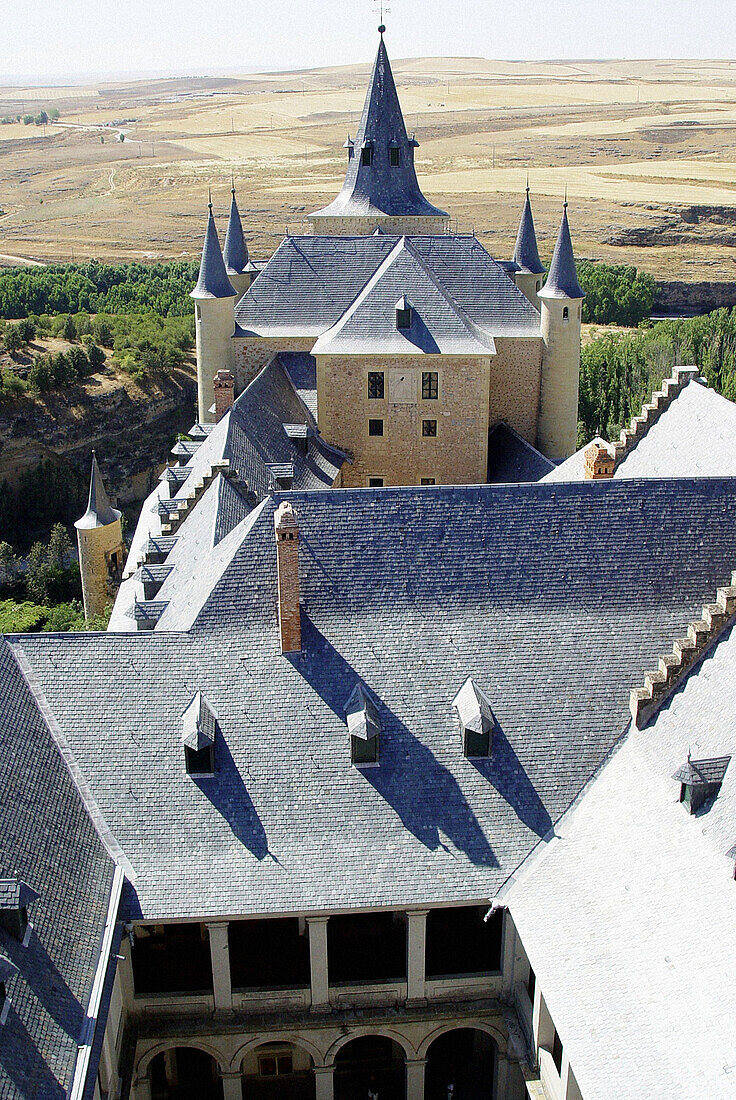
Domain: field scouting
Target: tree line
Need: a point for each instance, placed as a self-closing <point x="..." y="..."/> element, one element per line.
<point x="620" y="371"/>
<point x="160" y="288"/>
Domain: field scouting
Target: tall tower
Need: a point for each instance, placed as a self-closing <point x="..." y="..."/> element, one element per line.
<point x="240" y="271"/>
<point x="527" y="267"/>
<point x="380" y="188"/>
<point x="561" y="298"/>
<point x="214" y="313"/>
<point x="101" y="547"/>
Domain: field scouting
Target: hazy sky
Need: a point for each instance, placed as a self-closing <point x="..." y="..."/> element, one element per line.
<point x="115" y="36"/>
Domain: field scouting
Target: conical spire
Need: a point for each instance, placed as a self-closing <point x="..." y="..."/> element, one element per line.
<point x="526" y="253"/>
<point x="213" y="281"/>
<point x="235" y="253"/>
<point x="562" y="281"/>
<point x="380" y="178"/>
<point x="99" y="512"/>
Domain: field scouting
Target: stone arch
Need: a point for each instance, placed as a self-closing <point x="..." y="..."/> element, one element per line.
<point x="373" y="1032"/>
<point x="315" y="1053"/>
<point x="455" y="1025"/>
<point x="144" y="1062"/>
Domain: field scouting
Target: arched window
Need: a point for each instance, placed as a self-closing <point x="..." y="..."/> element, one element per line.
<point x="566" y="314"/>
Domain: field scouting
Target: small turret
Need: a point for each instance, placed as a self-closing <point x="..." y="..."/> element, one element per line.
<point x="101" y="547"/>
<point x="215" y="298"/>
<point x="240" y="271"/>
<point x="527" y="267"/>
<point x="560" y="298"/>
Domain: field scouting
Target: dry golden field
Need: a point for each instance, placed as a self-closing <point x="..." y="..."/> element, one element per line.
<point x="647" y="151"/>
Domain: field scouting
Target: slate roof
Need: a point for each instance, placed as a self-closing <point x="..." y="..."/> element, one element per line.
<point x="48" y="842"/>
<point x="235" y="252"/>
<point x="99" y="512"/>
<point x="526" y="254"/>
<point x="213" y="281"/>
<point x="378" y="188"/>
<point x="502" y="583"/>
<point x="562" y="280"/>
<point x="628" y="917"/>
<point x="301" y="368"/>
<point x="310" y="282"/>
<point x="703" y="771"/>
<point x="511" y="458"/>
<point x="439" y="326"/>
<point x="695" y="436"/>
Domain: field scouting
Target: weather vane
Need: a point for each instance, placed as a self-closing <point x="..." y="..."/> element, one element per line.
<point x="382" y="9"/>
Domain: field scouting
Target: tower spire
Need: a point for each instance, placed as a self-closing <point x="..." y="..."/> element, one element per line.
<point x="562" y="281"/>
<point x="213" y="281"/>
<point x="381" y="186"/>
<point x="101" y="548"/>
<point x="526" y="252"/>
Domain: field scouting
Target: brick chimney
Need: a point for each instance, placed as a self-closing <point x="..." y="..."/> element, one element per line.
<point x="599" y="462"/>
<point x="287" y="563"/>
<point x="224" y="387"/>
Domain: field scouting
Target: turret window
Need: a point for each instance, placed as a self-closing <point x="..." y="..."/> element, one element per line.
<point x="376" y="385"/>
<point x="394" y="156"/>
<point x="366" y="154"/>
<point x="565" y="314"/>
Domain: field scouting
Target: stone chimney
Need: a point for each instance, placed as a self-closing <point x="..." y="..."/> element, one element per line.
<point x="599" y="462"/>
<point x="224" y="387"/>
<point x="287" y="564"/>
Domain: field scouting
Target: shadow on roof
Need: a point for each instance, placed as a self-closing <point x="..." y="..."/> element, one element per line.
<point x="41" y="974"/>
<point x="504" y="770"/>
<point x="24" y="1065"/>
<point x="420" y="789"/>
<point x="229" y="795"/>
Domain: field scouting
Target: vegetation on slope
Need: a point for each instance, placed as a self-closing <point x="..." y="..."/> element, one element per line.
<point x="615" y="294"/>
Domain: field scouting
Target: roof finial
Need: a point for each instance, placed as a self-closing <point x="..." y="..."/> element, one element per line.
<point x="527" y="183"/>
<point x="232" y="183"/>
<point x="565" y="202"/>
<point x="383" y="9"/>
<point x="209" y="197"/>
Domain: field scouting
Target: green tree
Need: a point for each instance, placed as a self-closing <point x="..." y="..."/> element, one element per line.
<point x="53" y="113"/>
<point x="96" y="357"/>
<point x="27" y="330"/>
<point x="12" y="339"/>
<point x="69" y="330"/>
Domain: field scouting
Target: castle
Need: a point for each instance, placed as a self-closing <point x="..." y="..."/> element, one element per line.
<point x="399" y="790"/>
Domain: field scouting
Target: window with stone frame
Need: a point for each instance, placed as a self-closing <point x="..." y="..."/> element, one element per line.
<point x="428" y="481"/>
<point x="376" y="385"/>
<point x="375" y="482"/>
<point x="430" y="385"/>
<point x="375" y="427"/>
<point x="429" y="428"/>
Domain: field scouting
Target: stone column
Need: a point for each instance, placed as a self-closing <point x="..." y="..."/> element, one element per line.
<point x="415" y="1078"/>
<point x="324" y="1080"/>
<point x="319" y="978"/>
<point x="416" y="943"/>
<point x="232" y="1085"/>
<point x="220" y="954"/>
<point x="142" y="1089"/>
<point x="502" y="1076"/>
<point x="508" y="964"/>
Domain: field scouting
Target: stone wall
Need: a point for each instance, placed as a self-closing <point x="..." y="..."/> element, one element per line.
<point x="403" y="455"/>
<point x="251" y="353"/>
<point x="516" y="371"/>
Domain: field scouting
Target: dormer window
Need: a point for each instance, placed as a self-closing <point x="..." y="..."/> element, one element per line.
<point x="199" y="726"/>
<point x="299" y="436"/>
<point x="364" y="726"/>
<point x="403" y="314"/>
<point x="476" y="718"/>
<point x="394" y="155"/>
<point x="7" y="970"/>
<point x="282" y="473"/>
<point x="366" y="154"/>
<point x="700" y="780"/>
<point x="350" y="146"/>
<point x="15" y="897"/>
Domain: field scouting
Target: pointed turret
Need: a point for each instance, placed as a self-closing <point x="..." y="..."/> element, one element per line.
<point x="527" y="267"/>
<point x="214" y="314"/>
<point x="101" y="548"/>
<point x="562" y="281"/>
<point x="381" y="185"/>
<point x="560" y="307"/>
<point x="213" y="281"/>
<point x="240" y="271"/>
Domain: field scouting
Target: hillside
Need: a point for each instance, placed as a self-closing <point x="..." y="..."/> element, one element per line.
<point x="646" y="149"/>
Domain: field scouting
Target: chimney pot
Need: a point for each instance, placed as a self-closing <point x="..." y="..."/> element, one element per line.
<point x="287" y="563"/>
<point x="599" y="462"/>
<point x="224" y="387"/>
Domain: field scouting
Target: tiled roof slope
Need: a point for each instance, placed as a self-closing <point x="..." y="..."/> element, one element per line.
<point x="511" y="458"/>
<point x="438" y="324"/>
<point x="629" y="916"/>
<point x="379" y="188"/>
<point x="526" y="254"/>
<point x="48" y="840"/>
<point x="213" y="281"/>
<point x="695" y="436"/>
<point x="250" y="437"/>
<point x="309" y="283"/>
<point x="408" y="591"/>
<point x="562" y="278"/>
